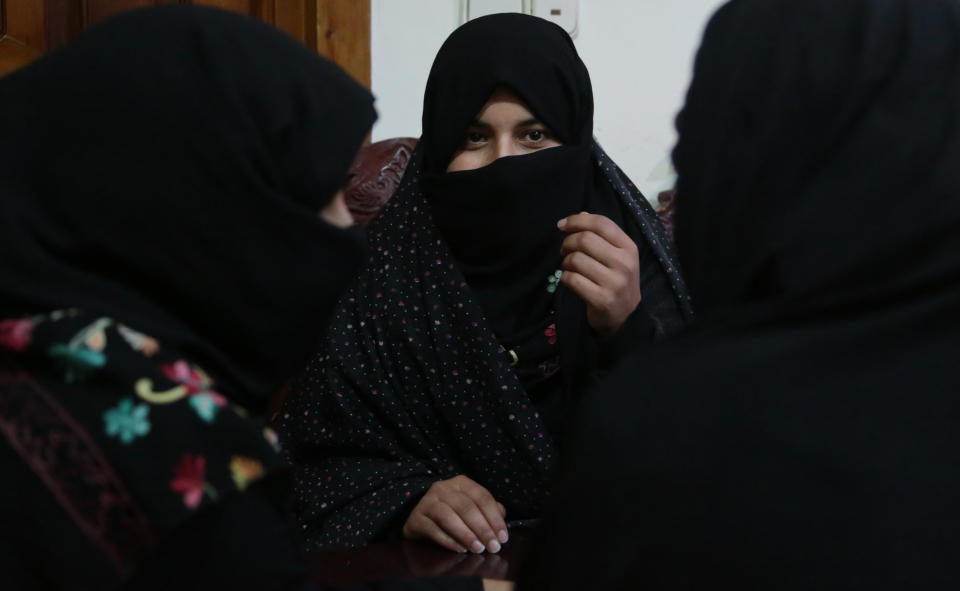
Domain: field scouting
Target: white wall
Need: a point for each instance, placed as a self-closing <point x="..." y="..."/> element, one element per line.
<point x="639" y="53"/>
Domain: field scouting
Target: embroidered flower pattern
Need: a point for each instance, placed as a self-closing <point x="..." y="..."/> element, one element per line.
<point x="207" y="404"/>
<point x="78" y="363"/>
<point x="15" y="333"/>
<point x="94" y="337"/>
<point x="84" y="353"/>
<point x="98" y="345"/>
<point x="244" y="471"/>
<point x="139" y="341"/>
<point x="127" y="421"/>
<point x="553" y="281"/>
<point x="190" y="480"/>
<point x="144" y="389"/>
<point x="192" y="377"/>
<point x="551" y="333"/>
<point x="194" y="383"/>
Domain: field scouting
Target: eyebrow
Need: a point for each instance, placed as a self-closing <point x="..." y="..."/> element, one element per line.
<point x="485" y="125"/>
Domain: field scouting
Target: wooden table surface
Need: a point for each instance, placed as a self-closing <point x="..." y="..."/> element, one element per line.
<point x="406" y="559"/>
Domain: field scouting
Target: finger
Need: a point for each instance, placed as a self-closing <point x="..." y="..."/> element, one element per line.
<point x="490" y="509"/>
<point x="589" y="267"/>
<point x="597" y="247"/>
<point x="471" y="514"/>
<point x="450" y="521"/>
<point x="589" y="292"/>
<point x="491" y="512"/>
<point x="598" y="224"/>
<point x="422" y="527"/>
<point x="503" y="510"/>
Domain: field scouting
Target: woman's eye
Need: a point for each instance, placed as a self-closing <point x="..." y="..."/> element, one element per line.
<point x="536" y="136"/>
<point x="475" y="138"/>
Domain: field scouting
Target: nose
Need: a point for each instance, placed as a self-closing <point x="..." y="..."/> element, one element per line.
<point x="506" y="146"/>
<point x="336" y="212"/>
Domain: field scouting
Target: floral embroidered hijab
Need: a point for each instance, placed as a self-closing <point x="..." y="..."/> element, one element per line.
<point x="171" y="219"/>
<point x="128" y="435"/>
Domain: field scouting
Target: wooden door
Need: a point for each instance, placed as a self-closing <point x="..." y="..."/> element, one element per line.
<point x="19" y="41"/>
<point x="338" y="29"/>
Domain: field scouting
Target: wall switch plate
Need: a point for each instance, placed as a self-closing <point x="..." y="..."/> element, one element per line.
<point x="562" y="12"/>
<point x="472" y="9"/>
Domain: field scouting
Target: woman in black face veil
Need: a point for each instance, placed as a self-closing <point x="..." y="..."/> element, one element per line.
<point x="805" y="436"/>
<point x="441" y="395"/>
<point x="163" y="270"/>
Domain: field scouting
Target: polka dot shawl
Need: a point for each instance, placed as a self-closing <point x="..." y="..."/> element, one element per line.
<point x="410" y="385"/>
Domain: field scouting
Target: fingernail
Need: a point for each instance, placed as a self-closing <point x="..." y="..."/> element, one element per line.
<point x="477" y="547"/>
<point x="493" y="546"/>
<point x="461" y="550"/>
<point x="562" y="223"/>
<point x="502" y="534"/>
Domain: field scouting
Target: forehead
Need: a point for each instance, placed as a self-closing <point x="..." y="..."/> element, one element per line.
<point x="504" y="108"/>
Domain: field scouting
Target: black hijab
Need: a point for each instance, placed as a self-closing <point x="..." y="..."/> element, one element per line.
<point x="205" y="147"/>
<point x="533" y="57"/>
<point x="805" y="436"/>
<point x="500" y="220"/>
<point x="411" y="385"/>
<point x="162" y="265"/>
<point x="812" y="153"/>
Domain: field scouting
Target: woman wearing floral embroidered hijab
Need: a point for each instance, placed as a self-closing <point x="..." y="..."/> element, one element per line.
<point x="163" y="269"/>
<point x="439" y="399"/>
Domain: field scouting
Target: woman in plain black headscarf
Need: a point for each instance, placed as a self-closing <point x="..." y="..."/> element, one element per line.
<point x="805" y="435"/>
<point x="163" y="270"/>
<point x="441" y="394"/>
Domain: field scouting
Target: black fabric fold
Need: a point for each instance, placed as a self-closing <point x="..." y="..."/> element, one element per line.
<point x="804" y="434"/>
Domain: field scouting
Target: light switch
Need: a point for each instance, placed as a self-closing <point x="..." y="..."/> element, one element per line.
<point x="478" y="8"/>
<point x="562" y="12"/>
